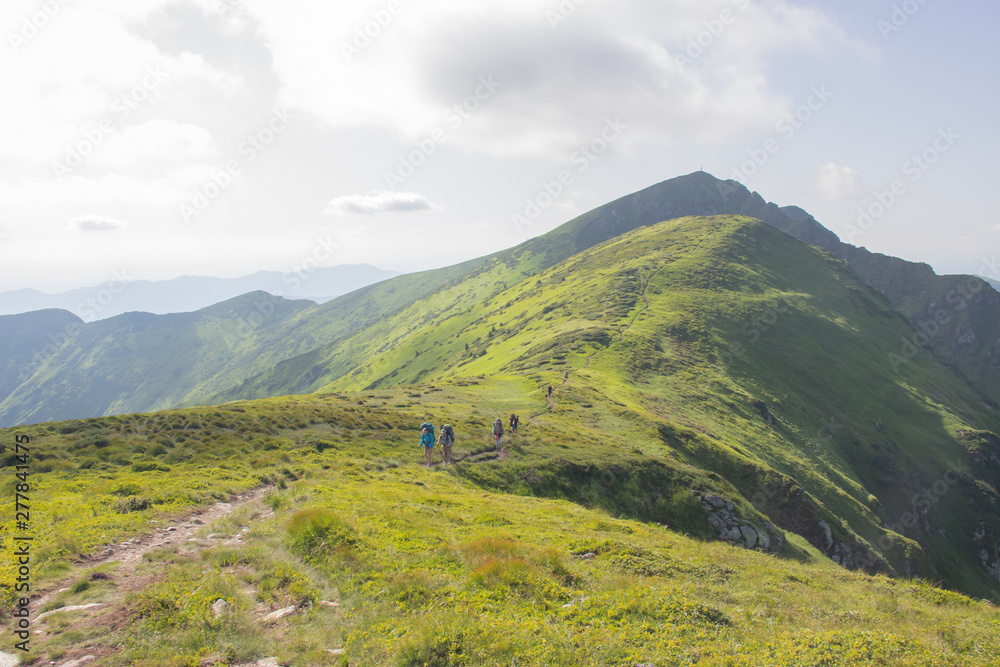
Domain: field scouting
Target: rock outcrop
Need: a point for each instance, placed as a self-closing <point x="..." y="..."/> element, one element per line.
<point x="733" y="527"/>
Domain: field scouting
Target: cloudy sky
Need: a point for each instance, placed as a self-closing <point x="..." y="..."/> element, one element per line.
<point x="220" y="137"/>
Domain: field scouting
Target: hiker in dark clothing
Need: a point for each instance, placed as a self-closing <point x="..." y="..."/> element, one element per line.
<point x="550" y="390"/>
<point x="514" y="421"/>
<point x="446" y="440"/>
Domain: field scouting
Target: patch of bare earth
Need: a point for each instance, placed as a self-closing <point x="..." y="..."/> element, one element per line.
<point x="179" y="532"/>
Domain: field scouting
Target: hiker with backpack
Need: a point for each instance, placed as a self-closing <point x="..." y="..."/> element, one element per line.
<point x="498" y="434"/>
<point x="427" y="441"/>
<point x="446" y="440"/>
<point x="514" y="421"/>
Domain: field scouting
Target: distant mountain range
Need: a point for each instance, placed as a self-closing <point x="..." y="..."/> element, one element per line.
<point x="190" y="293"/>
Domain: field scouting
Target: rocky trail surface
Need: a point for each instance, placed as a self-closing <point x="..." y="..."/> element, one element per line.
<point x="184" y="533"/>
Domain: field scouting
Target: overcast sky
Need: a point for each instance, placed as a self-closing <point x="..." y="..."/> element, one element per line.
<point x="158" y="138"/>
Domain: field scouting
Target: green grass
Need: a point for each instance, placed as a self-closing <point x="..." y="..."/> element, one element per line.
<point x="433" y="566"/>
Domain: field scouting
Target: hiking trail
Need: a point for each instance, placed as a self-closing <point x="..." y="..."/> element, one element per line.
<point x="176" y="531"/>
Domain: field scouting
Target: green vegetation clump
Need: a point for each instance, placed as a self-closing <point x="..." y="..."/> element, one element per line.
<point x="315" y="534"/>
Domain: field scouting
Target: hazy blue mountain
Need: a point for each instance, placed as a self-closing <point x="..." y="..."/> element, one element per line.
<point x="191" y="293"/>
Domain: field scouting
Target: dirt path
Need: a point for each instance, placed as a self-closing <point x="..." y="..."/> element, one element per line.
<point x="178" y="531"/>
<point x="170" y="532"/>
<point x="483" y="457"/>
<point x="645" y="287"/>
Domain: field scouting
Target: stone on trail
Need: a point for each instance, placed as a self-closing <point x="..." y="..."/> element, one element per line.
<point x="76" y="607"/>
<point x="279" y="614"/>
<point x="79" y="661"/>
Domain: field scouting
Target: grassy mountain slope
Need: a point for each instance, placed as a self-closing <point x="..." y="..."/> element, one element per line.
<point x="959" y="314"/>
<point x="426" y="566"/>
<point x="738" y="350"/>
<point x="26" y="341"/>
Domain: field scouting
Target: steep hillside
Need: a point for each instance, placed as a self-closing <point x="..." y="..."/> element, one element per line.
<point x="738" y="350"/>
<point x="27" y="341"/>
<point x="957" y="316"/>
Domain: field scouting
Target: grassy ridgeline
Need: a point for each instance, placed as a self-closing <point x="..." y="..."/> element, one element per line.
<point x="729" y="346"/>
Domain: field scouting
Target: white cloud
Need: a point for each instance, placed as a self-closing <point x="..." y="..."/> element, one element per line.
<point x="87" y="66"/>
<point x="606" y="60"/>
<point x="96" y="223"/>
<point x="378" y="202"/>
<point x="838" y="182"/>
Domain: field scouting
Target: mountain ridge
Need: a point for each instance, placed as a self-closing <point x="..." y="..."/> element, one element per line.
<point x="190" y="293"/>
